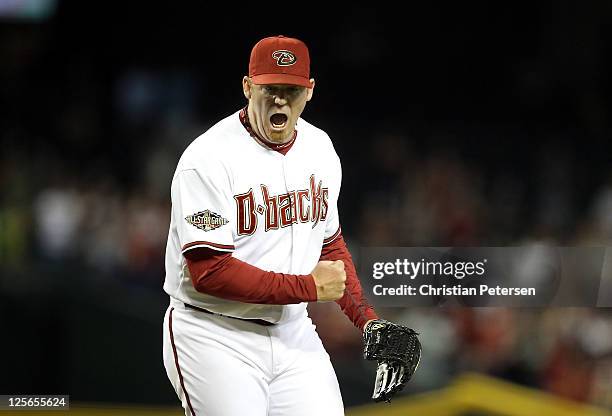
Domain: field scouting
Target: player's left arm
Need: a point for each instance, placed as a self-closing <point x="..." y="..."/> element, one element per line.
<point x="396" y="348"/>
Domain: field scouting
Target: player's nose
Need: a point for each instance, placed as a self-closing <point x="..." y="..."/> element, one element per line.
<point x="280" y="100"/>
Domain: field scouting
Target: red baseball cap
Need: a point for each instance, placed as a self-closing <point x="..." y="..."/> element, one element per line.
<point x="280" y="60"/>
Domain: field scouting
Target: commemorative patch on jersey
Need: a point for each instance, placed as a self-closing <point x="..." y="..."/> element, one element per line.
<point x="206" y="220"/>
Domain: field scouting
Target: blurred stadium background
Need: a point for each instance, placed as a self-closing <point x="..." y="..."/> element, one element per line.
<point x="456" y="126"/>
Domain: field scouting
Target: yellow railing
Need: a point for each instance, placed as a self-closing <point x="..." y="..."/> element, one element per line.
<point x="481" y="395"/>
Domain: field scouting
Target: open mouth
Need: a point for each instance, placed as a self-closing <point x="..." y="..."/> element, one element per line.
<point x="278" y="120"/>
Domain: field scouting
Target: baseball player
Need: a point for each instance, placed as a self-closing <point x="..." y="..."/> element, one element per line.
<point x="254" y="236"/>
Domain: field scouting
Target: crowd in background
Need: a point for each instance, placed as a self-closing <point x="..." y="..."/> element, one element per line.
<point x="88" y="185"/>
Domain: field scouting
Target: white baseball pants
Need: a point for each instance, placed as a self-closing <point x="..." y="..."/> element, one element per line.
<point x="222" y="366"/>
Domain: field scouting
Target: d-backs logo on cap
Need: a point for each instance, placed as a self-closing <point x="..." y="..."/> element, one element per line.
<point x="284" y="57"/>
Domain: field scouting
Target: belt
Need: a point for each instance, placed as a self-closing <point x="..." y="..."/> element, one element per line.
<point x="254" y="321"/>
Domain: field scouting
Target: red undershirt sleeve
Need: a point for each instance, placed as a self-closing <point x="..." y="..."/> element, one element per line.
<point x="354" y="304"/>
<point x="219" y="274"/>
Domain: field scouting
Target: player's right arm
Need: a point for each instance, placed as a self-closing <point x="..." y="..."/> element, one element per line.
<point x="219" y="274"/>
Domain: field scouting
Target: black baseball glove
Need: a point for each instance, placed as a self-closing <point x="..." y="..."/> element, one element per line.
<point x="397" y="350"/>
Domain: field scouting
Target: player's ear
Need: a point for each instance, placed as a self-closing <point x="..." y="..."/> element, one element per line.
<point x="246" y="87"/>
<point x="310" y="90"/>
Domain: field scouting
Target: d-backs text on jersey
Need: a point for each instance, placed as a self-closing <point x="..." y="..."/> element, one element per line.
<point x="305" y="205"/>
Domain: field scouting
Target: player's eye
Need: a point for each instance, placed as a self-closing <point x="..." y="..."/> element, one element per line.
<point x="281" y="91"/>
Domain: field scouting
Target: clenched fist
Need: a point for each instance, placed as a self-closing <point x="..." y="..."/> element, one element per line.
<point x="330" y="278"/>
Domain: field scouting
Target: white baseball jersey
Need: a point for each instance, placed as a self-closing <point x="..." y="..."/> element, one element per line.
<point x="232" y="193"/>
